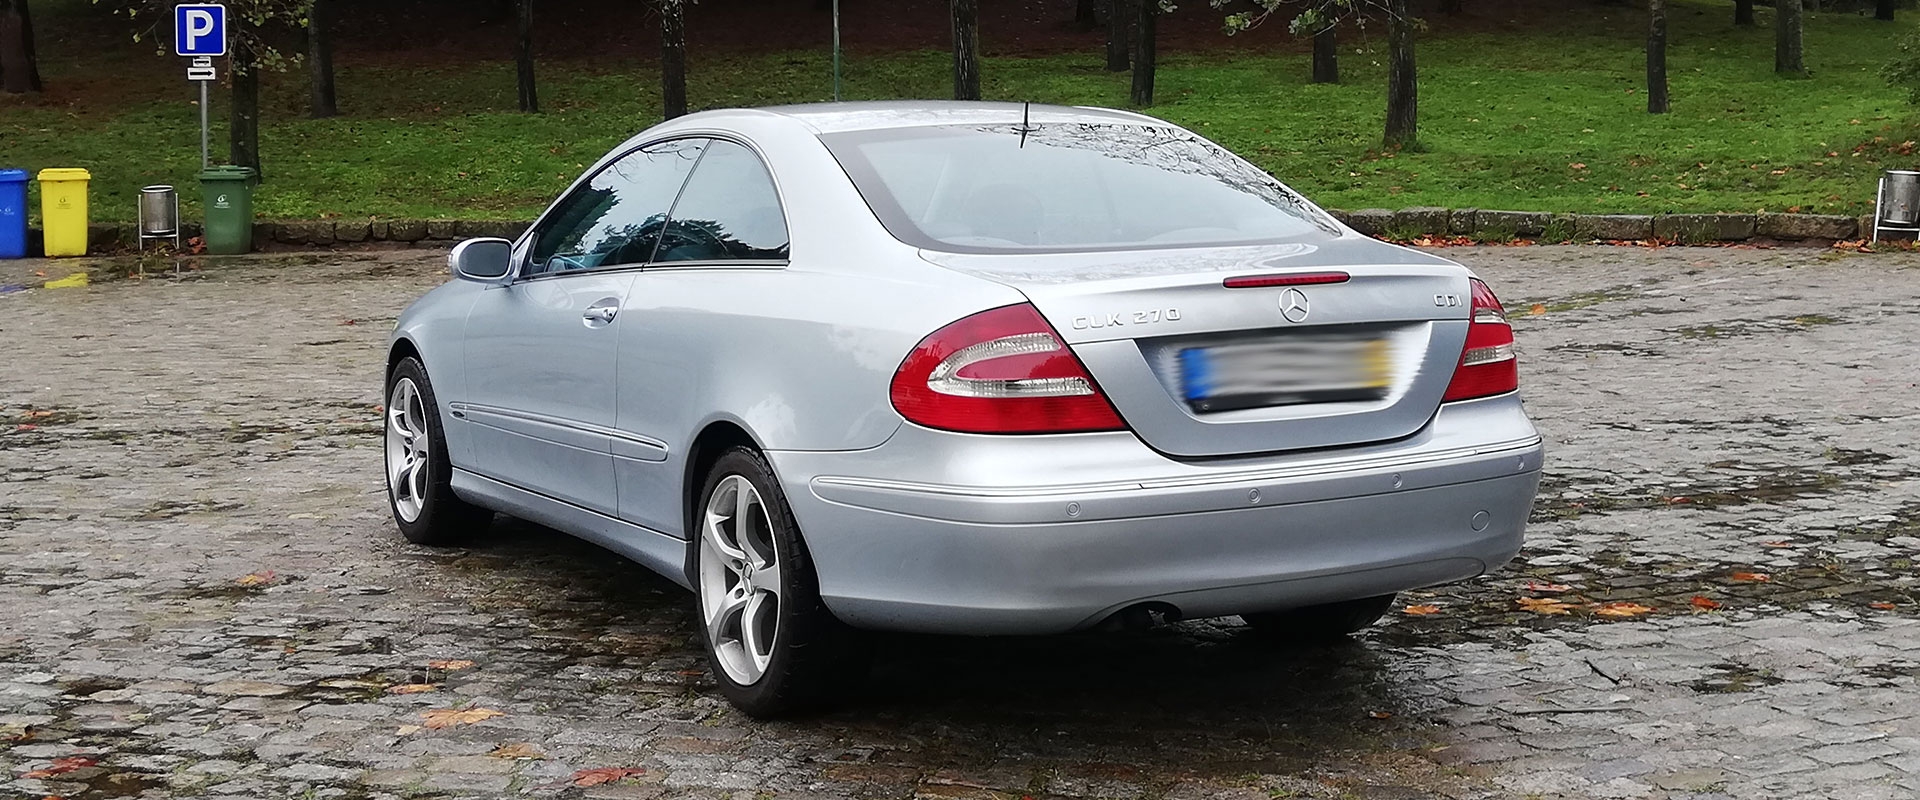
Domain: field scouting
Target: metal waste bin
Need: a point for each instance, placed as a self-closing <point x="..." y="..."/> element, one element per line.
<point x="13" y="213"/>
<point x="63" y="211"/>
<point x="228" y="192"/>
<point x="159" y="214"/>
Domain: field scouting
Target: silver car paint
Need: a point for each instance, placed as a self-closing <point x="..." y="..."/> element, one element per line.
<point x="800" y="357"/>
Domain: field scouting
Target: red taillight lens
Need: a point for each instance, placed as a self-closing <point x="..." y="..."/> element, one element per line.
<point x="1000" y="371"/>
<point x="1487" y="364"/>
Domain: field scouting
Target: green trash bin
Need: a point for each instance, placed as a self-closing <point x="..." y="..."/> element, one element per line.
<point x="228" y="194"/>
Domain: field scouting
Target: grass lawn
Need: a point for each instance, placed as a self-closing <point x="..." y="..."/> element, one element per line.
<point x="1546" y="117"/>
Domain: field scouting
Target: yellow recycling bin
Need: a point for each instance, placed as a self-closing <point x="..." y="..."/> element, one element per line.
<point x="63" y="211"/>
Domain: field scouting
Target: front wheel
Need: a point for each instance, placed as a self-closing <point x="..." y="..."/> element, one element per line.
<point x="1322" y="622"/>
<point x="774" y="647"/>
<point x="419" y="476"/>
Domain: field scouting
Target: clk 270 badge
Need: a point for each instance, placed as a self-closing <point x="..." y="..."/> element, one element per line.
<point x="1118" y="319"/>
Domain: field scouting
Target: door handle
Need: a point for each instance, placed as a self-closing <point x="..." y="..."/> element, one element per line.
<point x="601" y="314"/>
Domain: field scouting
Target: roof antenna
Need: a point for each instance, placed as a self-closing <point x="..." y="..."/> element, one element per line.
<point x="1026" y="124"/>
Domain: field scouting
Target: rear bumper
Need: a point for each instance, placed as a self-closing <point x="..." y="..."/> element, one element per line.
<point x="992" y="535"/>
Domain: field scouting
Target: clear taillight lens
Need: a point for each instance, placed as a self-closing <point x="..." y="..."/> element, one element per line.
<point x="1487" y="363"/>
<point x="1000" y="371"/>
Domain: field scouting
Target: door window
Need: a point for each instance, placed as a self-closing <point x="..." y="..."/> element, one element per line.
<point x="728" y="212"/>
<point x="616" y="217"/>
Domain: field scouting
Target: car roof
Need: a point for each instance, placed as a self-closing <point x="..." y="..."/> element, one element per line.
<point x="825" y="118"/>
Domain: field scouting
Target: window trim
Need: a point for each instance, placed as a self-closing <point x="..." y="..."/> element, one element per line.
<point x="522" y="249"/>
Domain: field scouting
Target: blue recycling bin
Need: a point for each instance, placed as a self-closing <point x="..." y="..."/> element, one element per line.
<point x="13" y="213"/>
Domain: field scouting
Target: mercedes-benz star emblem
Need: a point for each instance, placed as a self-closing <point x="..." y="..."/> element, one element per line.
<point x="1294" y="306"/>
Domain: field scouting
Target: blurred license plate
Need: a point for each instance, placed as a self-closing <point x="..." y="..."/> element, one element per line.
<point x="1300" y="368"/>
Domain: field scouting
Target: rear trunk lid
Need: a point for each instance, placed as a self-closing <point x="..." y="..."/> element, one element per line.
<point x="1198" y="369"/>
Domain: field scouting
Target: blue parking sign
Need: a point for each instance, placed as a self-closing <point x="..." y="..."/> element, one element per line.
<point x="200" y="29"/>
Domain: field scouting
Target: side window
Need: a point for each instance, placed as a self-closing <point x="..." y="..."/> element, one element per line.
<point x="616" y="217"/>
<point x="729" y="211"/>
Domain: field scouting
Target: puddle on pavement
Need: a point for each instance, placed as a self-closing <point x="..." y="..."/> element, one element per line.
<point x="1735" y="328"/>
<point x="1731" y="678"/>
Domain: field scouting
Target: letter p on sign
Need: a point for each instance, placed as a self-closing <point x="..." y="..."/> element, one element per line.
<point x="200" y="29"/>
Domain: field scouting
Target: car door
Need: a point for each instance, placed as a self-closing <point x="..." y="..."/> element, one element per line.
<point x="541" y="351"/>
<point x="728" y="219"/>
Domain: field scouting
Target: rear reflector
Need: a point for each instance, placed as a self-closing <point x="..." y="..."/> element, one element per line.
<point x="1487" y="363"/>
<point x="1000" y="371"/>
<point x="1293" y="279"/>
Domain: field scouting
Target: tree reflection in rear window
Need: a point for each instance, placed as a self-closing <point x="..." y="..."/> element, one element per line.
<point x="1067" y="187"/>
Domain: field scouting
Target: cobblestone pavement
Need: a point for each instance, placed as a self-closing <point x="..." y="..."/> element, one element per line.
<point x="203" y="595"/>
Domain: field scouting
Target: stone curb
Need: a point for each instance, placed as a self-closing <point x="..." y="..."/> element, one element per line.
<point x="1407" y="223"/>
<point x="1493" y="226"/>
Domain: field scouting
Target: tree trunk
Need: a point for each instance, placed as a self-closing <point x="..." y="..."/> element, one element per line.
<point x="966" y="49"/>
<point x="19" y="67"/>
<point x="1326" y="55"/>
<point x="673" y="58"/>
<point x="1119" y="25"/>
<point x="324" y="103"/>
<point x="1883" y="9"/>
<point x="523" y="59"/>
<point x="243" y="127"/>
<point x="1086" y="14"/>
<point x="1787" y="56"/>
<point x="1657" y="56"/>
<point x="1743" y="12"/>
<point x="1403" y="80"/>
<point x="1144" y="45"/>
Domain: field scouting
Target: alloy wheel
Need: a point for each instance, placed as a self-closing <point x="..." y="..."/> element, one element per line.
<point x="407" y="450"/>
<point x="740" y="580"/>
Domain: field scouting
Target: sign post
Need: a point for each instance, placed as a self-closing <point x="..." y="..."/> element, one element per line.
<point x="200" y="33"/>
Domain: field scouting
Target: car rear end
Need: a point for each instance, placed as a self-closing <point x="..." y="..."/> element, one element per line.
<point x="1292" y="416"/>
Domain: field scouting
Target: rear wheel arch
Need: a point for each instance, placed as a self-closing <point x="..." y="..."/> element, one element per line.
<point x="713" y="441"/>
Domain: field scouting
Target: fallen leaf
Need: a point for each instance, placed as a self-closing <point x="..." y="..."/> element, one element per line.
<point x="1752" y="577"/>
<point x="1883" y="605"/>
<point x="1547" y="588"/>
<point x="448" y="717"/>
<point x="1380" y="714"/>
<point x="595" y="777"/>
<point x="407" y="729"/>
<point x="1577" y="165"/>
<point x="517" y="750"/>
<point x="39" y="413"/>
<point x="1782" y="543"/>
<point x="1537" y="309"/>
<point x="413" y="688"/>
<point x="1673" y="501"/>
<point x="1545" y="605"/>
<point x="25" y="428"/>
<point x="261" y="578"/>
<point x="1421" y="610"/>
<point x="1704" y="602"/>
<point x="449" y="664"/>
<point x="61" y="766"/>
<point x="1622" y="610"/>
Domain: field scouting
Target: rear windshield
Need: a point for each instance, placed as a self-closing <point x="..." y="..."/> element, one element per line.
<point x="1065" y="187"/>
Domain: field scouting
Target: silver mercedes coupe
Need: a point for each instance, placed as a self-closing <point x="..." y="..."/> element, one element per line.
<point x="969" y="368"/>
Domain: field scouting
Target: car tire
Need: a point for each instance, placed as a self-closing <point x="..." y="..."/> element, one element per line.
<point x="419" y="474"/>
<point x="1320" y="623"/>
<point x="769" y="662"/>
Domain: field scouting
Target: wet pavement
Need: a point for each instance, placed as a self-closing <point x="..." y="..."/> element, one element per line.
<point x="201" y="594"/>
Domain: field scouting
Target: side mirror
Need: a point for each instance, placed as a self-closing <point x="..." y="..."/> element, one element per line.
<point x="482" y="260"/>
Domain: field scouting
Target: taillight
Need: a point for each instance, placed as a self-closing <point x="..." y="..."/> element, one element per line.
<point x="1000" y="371"/>
<point x="1487" y="364"/>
